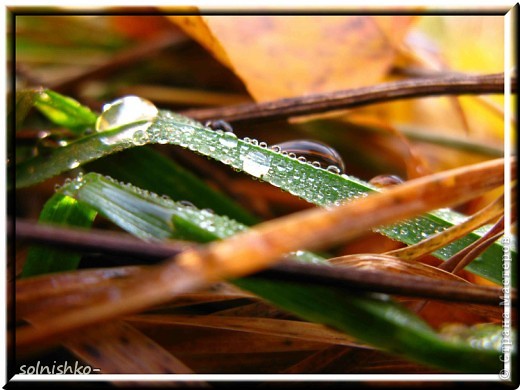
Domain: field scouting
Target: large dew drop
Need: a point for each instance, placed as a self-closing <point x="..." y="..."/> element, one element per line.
<point x="256" y="164"/>
<point x="313" y="151"/>
<point x="125" y="111"/>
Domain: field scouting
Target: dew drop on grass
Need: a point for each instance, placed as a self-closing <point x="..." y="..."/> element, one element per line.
<point x="316" y="151"/>
<point x="74" y="164"/>
<point x="256" y="164"/>
<point x="333" y="169"/>
<point x="139" y="137"/>
<point x="125" y="111"/>
<point x="229" y="140"/>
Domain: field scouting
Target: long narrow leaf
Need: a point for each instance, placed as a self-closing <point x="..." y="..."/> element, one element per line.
<point x="148" y="169"/>
<point x="320" y="186"/>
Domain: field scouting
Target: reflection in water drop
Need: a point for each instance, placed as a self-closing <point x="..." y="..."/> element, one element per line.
<point x="381" y="181"/>
<point x="315" y="151"/>
<point x="256" y="164"/>
<point x="219" y="124"/>
<point x="125" y="111"/>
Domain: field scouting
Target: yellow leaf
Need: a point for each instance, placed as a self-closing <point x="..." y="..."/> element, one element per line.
<point x="283" y="56"/>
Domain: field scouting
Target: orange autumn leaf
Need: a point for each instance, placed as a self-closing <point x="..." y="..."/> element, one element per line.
<point x="283" y="56"/>
<point x="140" y="27"/>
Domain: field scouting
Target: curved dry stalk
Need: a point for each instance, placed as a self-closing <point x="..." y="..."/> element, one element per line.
<point x="465" y="256"/>
<point x="392" y="264"/>
<point x="275" y="327"/>
<point x="266" y="243"/>
<point x="477" y="250"/>
<point x="443" y="238"/>
<point x="436" y="276"/>
<point x="451" y="84"/>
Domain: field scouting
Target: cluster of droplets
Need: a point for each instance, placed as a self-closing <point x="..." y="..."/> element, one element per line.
<point x="144" y="124"/>
<point x="412" y="229"/>
<point x="206" y="219"/>
<point x="480" y="336"/>
<point x="70" y="186"/>
<point x="220" y="226"/>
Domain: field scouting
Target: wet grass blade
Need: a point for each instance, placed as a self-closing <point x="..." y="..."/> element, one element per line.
<point x="323" y="187"/>
<point x="150" y="170"/>
<point x="64" y="111"/>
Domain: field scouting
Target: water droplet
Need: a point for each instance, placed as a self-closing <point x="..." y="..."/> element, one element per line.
<point x="314" y="150"/>
<point x="45" y="97"/>
<point x="276" y="148"/>
<point x="125" y="111"/>
<point x="74" y="164"/>
<point x="219" y="124"/>
<point x="186" y="203"/>
<point x="292" y="155"/>
<point x="263" y="145"/>
<point x="208" y="212"/>
<point x="382" y="181"/>
<point x="256" y="164"/>
<point x="316" y="164"/>
<point x="229" y="140"/>
<point x="333" y="169"/>
<point x="139" y="138"/>
<point x="302" y="159"/>
<point x="57" y="187"/>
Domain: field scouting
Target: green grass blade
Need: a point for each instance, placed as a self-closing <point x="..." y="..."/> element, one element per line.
<point x="320" y="186"/>
<point x="64" y="111"/>
<point x="150" y="170"/>
<point x="59" y="209"/>
<point x="383" y="324"/>
<point x="373" y="319"/>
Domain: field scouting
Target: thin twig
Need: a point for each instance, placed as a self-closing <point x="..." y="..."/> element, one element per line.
<point x="317" y="103"/>
<point x="341" y="277"/>
<point x="96" y="241"/>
